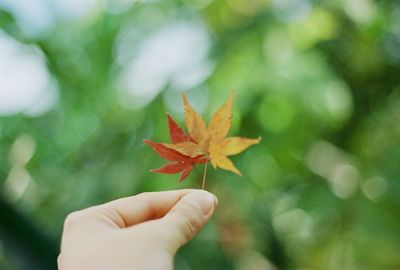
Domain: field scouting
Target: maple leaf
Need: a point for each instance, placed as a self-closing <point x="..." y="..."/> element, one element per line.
<point x="179" y="163"/>
<point x="211" y="141"/>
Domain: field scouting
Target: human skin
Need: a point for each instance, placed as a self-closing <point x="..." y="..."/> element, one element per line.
<point x="139" y="232"/>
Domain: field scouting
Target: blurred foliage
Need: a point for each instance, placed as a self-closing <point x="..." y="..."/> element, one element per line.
<point x="318" y="80"/>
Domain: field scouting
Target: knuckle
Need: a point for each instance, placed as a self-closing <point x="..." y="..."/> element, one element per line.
<point x="60" y="262"/>
<point x="143" y="194"/>
<point x="73" y="219"/>
<point x="192" y="220"/>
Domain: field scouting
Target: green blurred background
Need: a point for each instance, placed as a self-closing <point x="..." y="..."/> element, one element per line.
<point x="82" y="83"/>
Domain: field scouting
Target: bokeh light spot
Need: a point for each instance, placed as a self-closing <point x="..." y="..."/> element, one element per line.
<point x="25" y="83"/>
<point x="178" y="48"/>
<point x="22" y="150"/>
<point x="292" y="10"/>
<point x="361" y="11"/>
<point x="374" y="187"/>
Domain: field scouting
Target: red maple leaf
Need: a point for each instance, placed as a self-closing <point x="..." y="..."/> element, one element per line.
<point x="179" y="163"/>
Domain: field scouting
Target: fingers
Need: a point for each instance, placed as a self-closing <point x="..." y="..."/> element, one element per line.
<point x="186" y="218"/>
<point x="132" y="210"/>
<point x="174" y="217"/>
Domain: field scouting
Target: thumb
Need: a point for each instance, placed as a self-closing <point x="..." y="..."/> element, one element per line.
<point x="187" y="217"/>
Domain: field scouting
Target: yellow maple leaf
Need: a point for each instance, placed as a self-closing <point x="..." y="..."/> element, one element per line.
<point x="211" y="141"/>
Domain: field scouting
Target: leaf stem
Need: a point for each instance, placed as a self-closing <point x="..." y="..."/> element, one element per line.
<point x="204" y="176"/>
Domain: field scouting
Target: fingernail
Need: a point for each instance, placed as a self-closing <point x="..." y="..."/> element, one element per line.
<point x="215" y="200"/>
<point x="203" y="199"/>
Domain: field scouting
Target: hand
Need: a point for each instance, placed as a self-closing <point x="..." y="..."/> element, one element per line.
<point x="139" y="232"/>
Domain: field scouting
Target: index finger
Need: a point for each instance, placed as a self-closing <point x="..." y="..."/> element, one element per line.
<point x="129" y="211"/>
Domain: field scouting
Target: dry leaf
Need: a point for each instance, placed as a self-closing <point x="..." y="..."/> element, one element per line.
<point x="212" y="142"/>
<point x="180" y="163"/>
